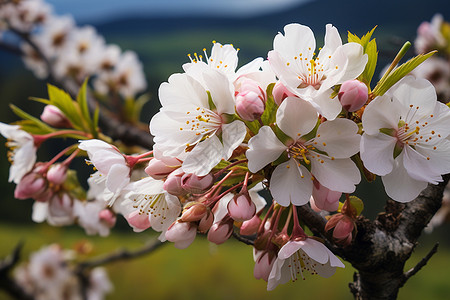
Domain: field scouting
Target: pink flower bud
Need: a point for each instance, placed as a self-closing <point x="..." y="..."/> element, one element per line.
<point x="323" y="198"/>
<point x="343" y="228"/>
<point x="182" y="234"/>
<point x="108" y="217"/>
<point x="32" y="185"/>
<point x="206" y="222"/>
<point x="241" y="207"/>
<point x="220" y="232"/>
<point x="280" y="92"/>
<point x="160" y="169"/>
<point x="194" y="213"/>
<point x="263" y="265"/>
<point x="353" y="95"/>
<point x="138" y="221"/>
<point x="251" y="226"/>
<point x="194" y="184"/>
<point x="173" y="183"/>
<point x="54" y="117"/>
<point x="57" y="174"/>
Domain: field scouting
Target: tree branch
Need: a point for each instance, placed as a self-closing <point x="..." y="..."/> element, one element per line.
<point x="419" y="265"/>
<point x="8" y="284"/>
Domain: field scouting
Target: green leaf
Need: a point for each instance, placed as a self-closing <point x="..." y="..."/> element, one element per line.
<point x="398" y="73"/>
<point x="82" y="103"/>
<point x="357" y="204"/>
<point x="138" y="105"/>
<point x="353" y="38"/>
<point x="64" y="102"/>
<point x="366" y="38"/>
<point x="269" y="115"/>
<point x="34" y="125"/>
<point x="254" y="126"/>
<point x="212" y="106"/>
<point x="41" y="100"/>
<point x="73" y="185"/>
<point x="372" y="53"/>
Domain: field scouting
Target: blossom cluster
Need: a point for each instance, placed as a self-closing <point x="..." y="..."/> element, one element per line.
<point x="61" y="49"/>
<point x="49" y="275"/>
<point x="303" y="124"/>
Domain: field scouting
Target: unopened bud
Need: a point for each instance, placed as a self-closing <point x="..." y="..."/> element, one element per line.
<point x="182" y="234"/>
<point x="54" y="117"/>
<point x="32" y="185"/>
<point x="160" y="169"/>
<point x="206" y="222"/>
<point x="173" y="183"/>
<point x="138" y="221"/>
<point x="263" y="266"/>
<point x="280" y="92"/>
<point x="194" y="184"/>
<point x="220" y="232"/>
<point x="353" y="95"/>
<point x="251" y="226"/>
<point x="324" y="198"/>
<point x="194" y="213"/>
<point x="108" y="217"/>
<point x="57" y="174"/>
<point x="241" y="207"/>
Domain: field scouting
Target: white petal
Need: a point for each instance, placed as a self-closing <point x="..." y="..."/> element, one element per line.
<point x="290" y="112"/>
<point x="221" y="208"/>
<point x="253" y="66"/>
<point x="419" y="167"/>
<point x="339" y="175"/>
<point x="288" y="76"/>
<point x="291" y="183"/>
<point x="439" y="159"/>
<point x="264" y="148"/>
<point x="296" y="39"/>
<point x="338" y="138"/>
<point x="377" y="153"/>
<point x="205" y="156"/>
<point x="221" y="91"/>
<point x="325" y="270"/>
<point x="417" y="92"/>
<point x="259" y="201"/>
<point x="399" y="185"/>
<point x="327" y="106"/>
<point x="40" y="211"/>
<point x="232" y="136"/>
<point x="182" y="89"/>
<point x="383" y="112"/>
<point x="316" y="250"/>
<point x="118" y="177"/>
<point x="357" y="61"/>
<point x="278" y="275"/>
<point x="290" y="248"/>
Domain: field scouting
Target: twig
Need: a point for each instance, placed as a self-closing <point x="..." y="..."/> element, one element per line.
<point x="9" y="285"/>
<point x="407" y="275"/>
<point x="119" y="255"/>
<point x="245" y="240"/>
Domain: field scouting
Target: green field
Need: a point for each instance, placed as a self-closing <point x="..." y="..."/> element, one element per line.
<point x="207" y="271"/>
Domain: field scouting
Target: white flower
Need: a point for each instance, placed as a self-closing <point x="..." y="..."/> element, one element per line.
<point x="126" y="75"/>
<point x="111" y="165"/>
<point x="324" y="157"/>
<point x="88" y="216"/>
<point x="405" y="138"/>
<point x="99" y="284"/>
<point x="57" y="211"/>
<point x="296" y="257"/>
<point x="148" y="197"/>
<point x="223" y="59"/>
<point x="311" y="77"/>
<point x="22" y="153"/>
<point x="189" y="127"/>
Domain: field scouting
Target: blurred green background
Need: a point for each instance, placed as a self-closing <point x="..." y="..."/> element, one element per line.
<point x="205" y="270"/>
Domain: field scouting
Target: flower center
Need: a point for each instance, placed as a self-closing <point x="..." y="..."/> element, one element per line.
<point x="300" y="262"/>
<point x="204" y="122"/>
<point x="154" y="205"/>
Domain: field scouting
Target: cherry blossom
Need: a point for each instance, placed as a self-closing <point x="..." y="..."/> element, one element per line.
<point x="22" y="153"/>
<point x="311" y="77"/>
<point x="298" y="256"/>
<point x="405" y="138"/>
<point x="324" y="157"/>
<point x="189" y="125"/>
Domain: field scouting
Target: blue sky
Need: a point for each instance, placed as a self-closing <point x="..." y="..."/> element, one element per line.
<point x="100" y="10"/>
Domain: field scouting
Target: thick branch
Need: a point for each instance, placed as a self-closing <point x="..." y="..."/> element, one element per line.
<point x="8" y="284"/>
